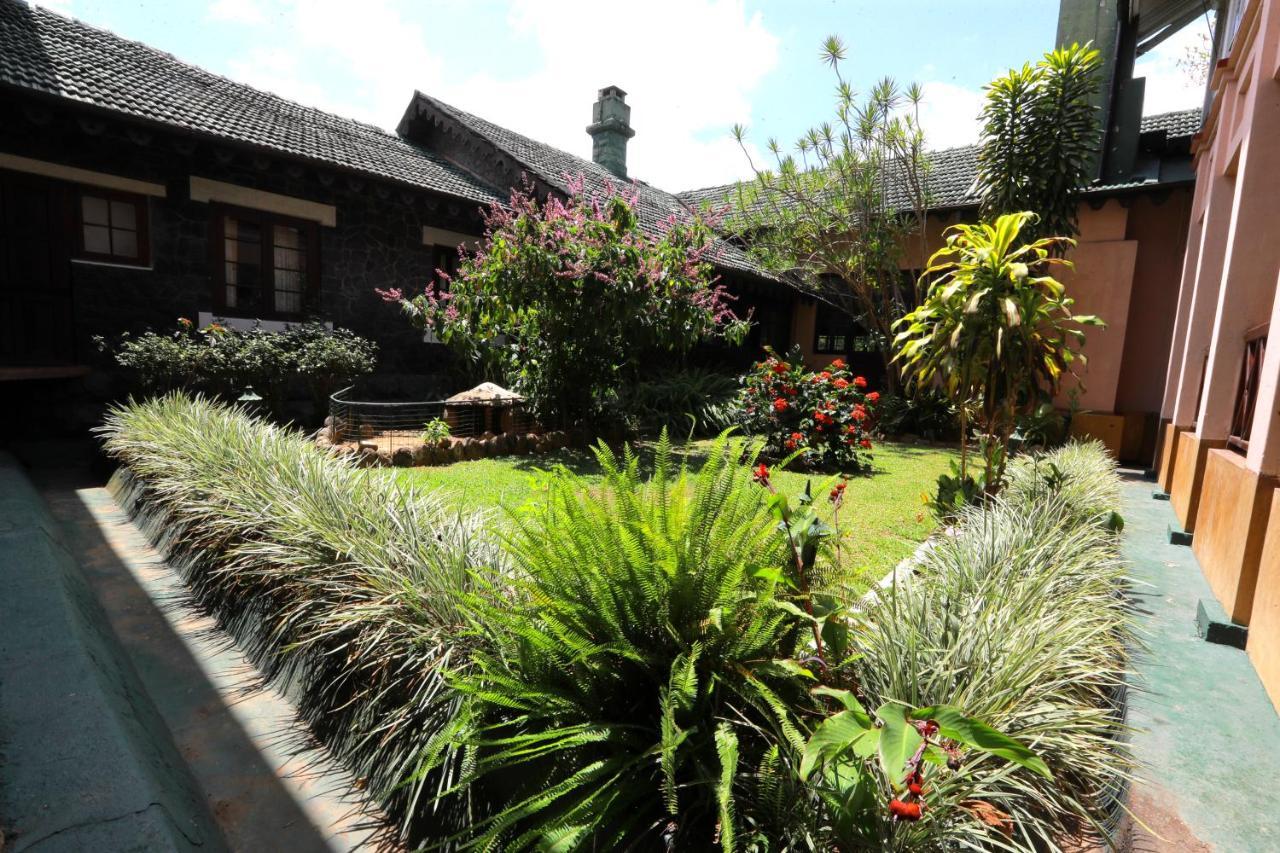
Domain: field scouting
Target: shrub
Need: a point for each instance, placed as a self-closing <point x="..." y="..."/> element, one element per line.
<point x="633" y="668"/>
<point x="435" y="431"/>
<point x="826" y="417"/>
<point x="222" y="361"/>
<point x="566" y="299"/>
<point x="996" y="332"/>
<point x="688" y="401"/>
<point x="346" y="584"/>
<point x="927" y="413"/>
<point x="1018" y="619"/>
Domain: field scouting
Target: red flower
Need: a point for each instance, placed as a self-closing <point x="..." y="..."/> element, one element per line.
<point x="790" y="391"/>
<point x="761" y="474"/>
<point x="904" y="811"/>
<point x="838" y="364"/>
<point x="853" y="429"/>
<point x="859" y="413"/>
<point x="866" y="443"/>
<point x="842" y="384"/>
<point x="824" y="375"/>
<point x="860" y="382"/>
<point x="790" y="444"/>
<point x="797" y="437"/>
<point x="873" y="397"/>
<point x="780" y="405"/>
<point x="780" y="367"/>
<point x="821" y="417"/>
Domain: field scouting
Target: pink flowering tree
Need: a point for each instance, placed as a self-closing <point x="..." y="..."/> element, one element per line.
<point x="565" y="298"/>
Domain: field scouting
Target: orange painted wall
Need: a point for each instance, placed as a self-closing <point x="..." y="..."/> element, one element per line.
<point x="1160" y="230"/>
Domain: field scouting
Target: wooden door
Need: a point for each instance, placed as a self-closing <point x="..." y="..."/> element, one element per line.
<point x="35" y="272"/>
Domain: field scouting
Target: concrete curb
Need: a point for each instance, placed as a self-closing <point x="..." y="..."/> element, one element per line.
<point x="86" y="762"/>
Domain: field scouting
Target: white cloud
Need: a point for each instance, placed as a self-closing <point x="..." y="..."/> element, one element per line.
<point x="685" y="95"/>
<point x="949" y="115"/>
<point x="1169" y="86"/>
<point x="236" y="12"/>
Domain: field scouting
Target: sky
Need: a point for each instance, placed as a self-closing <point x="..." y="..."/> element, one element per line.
<point x="691" y="68"/>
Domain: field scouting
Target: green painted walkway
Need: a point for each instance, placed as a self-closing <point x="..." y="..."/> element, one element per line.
<point x="1208" y="737"/>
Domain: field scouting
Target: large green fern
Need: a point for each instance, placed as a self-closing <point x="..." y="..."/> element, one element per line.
<point x="627" y="677"/>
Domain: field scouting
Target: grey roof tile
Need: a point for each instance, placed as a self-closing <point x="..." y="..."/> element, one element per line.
<point x="45" y="52"/>
<point x="557" y="167"/>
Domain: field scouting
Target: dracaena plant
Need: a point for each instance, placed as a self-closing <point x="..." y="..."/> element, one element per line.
<point x="995" y="331"/>
<point x="1039" y="139"/>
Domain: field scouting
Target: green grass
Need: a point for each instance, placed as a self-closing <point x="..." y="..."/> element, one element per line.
<point x="883" y="519"/>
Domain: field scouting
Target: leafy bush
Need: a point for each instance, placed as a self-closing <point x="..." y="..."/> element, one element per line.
<point x="344" y="583"/>
<point x="826" y="417"/>
<point x="996" y="332"/>
<point x="566" y="299"/>
<point x="435" y="431"/>
<point x="927" y="413"/>
<point x="634" y="661"/>
<point x="1018" y="619"/>
<point x="692" y="400"/>
<point x="224" y="362"/>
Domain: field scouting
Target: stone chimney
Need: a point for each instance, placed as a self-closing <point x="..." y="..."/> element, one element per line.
<point x="610" y="129"/>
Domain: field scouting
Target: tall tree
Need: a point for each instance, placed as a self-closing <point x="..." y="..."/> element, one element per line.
<point x="837" y="214"/>
<point x="1039" y="140"/>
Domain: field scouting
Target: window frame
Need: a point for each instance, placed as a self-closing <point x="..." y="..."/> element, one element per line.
<point x="821" y="331"/>
<point x="142" y="221"/>
<point x="1244" y="406"/>
<point x="266" y="221"/>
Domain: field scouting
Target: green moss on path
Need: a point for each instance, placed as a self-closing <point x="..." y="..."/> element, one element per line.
<point x="883" y="518"/>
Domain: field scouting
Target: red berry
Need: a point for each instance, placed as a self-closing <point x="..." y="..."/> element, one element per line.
<point x="915" y="788"/>
<point x="930" y="728"/>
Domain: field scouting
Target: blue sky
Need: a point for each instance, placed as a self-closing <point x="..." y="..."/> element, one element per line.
<point x="692" y="68"/>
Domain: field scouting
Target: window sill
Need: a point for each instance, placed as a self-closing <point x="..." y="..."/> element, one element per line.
<point x="90" y="262"/>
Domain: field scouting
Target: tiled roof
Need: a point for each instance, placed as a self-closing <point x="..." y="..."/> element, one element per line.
<point x="954" y="170"/>
<point x="45" y="52"/>
<point x="556" y="167"/>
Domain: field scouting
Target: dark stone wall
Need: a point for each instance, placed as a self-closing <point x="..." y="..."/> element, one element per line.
<point x="376" y="243"/>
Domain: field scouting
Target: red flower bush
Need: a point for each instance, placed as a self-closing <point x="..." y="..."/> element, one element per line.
<point x="826" y="414"/>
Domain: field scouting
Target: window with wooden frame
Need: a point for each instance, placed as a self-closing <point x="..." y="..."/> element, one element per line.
<point x="264" y="265"/>
<point x="111" y="227"/>
<point x="1255" y="351"/>
<point x="443" y="259"/>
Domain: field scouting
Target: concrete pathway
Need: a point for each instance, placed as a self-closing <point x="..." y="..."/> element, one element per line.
<point x="1208" y="737"/>
<point x="268" y="784"/>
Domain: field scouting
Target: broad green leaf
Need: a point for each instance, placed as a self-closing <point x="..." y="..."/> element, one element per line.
<point x="832" y="737"/>
<point x="978" y="735"/>
<point x="898" y="740"/>
<point x="849" y="701"/>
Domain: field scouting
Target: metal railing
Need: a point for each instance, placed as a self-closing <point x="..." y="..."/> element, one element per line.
<point x="389" y="426"/>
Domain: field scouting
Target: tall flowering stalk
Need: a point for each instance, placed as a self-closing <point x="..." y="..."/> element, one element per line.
<point x="565" y="297"/>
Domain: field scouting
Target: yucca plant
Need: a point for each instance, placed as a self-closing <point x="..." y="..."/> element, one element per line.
<point x="638" y="666"/>
<point x="1018" y="619"/>
<point x="349" y="586"/>
<point x="996" y="331"/>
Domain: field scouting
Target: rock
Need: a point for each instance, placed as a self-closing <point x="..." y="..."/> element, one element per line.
<point x="557" y="439"/>
<point x="531" y="443"/>
<point x="472" y="450"/>
<point x="487" y="434"/>
<point x="328" y="420"/>
<point x="444" y="443"/>
<point x="384" y="459"/>
<point x="422" y="454"/>
<point x="402" y="457"/>
<point x="366" y="431"/>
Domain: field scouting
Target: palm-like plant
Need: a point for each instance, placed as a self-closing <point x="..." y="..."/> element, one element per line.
<point x="1039" y="138"/>
<point x="998" y="337"/>
<point x="637" y="670"/>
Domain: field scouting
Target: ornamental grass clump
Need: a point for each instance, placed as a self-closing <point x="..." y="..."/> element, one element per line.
<point x="1020" y="619"/>
<point x="348" y="586"/>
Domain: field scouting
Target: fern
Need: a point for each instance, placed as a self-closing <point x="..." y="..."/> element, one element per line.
<point x="620" y="685"/>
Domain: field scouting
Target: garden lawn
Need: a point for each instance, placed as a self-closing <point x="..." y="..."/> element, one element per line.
<point x="883" y="518"/>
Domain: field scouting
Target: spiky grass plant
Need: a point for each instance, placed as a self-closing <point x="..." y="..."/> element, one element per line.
<point x="639" y="673"/>
<point x="1082" y="475"/>
<point x="347" y="586"/>
<point x="1018" y="619"/>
